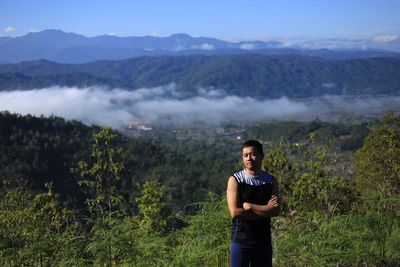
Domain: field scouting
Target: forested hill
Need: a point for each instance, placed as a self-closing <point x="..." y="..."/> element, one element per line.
<point x="243" y="75"/>
<point x="44" y="150"/>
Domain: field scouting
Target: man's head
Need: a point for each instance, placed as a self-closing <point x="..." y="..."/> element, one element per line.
<point x="253" y="143"/>
<point x="252" y="155"/>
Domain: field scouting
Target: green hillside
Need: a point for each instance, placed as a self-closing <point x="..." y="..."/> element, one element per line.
<point x="243" y="75"/>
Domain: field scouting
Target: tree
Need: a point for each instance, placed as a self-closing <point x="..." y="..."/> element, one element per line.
<point x="378" y="161"/>
<point x="308" y="177"/>
<point x="102" y="175"/>
<point x="378" y="178"/>
<point x="148" y="230"/>
<point x="276" y="162"/>
<point x="152" y="208"/>
<point x="35" y="230"/>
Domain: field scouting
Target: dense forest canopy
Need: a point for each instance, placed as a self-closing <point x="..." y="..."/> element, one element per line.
<point x="254" y="75"/>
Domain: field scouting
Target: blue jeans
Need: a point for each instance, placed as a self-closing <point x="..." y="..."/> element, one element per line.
<point x="244" y="255"/>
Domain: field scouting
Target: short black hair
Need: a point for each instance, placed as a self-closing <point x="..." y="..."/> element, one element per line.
<point x="253" y="143"/>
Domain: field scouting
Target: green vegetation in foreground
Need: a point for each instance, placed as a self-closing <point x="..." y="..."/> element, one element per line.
<point x="127" y="202"/>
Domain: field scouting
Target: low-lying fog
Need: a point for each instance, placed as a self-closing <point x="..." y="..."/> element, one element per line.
<point x="118" y="108"/>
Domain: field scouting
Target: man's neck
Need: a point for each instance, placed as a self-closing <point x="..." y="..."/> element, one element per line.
<point x="254" y="172"/>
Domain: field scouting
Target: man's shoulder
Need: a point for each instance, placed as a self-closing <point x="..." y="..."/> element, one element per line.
<point x="240" y="173"/>
<point x="267" y="175"/>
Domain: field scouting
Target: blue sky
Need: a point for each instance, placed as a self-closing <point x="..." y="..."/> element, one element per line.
<point x="234" y="19"/>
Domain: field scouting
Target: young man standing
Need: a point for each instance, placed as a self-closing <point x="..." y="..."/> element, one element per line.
<point x="253" y="198"/>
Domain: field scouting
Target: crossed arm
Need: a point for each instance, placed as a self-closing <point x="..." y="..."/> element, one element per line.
<point x="251" y="211"/>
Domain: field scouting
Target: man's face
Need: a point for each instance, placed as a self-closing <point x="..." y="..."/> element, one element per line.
<point x="252" y="159"/>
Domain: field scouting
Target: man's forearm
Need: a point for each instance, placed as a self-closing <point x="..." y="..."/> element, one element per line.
<point x="245" y="214"/>
<point x="263" y="210"/>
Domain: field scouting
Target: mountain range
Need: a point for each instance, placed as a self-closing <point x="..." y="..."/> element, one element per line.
<point x="59" y="46"/>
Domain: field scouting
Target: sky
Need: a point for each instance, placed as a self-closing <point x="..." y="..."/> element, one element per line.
<point x="223" y="19"/>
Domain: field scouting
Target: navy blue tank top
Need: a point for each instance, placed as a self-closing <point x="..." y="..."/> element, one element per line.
<point x="256" y="190"/>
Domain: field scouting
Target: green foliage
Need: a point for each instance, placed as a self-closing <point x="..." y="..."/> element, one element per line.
<point x="277" y="162"/>
<point x="192" y="160"/>
<point x="43" y="150"/>
<point x="152" y="208"/>
<point x="152" y="250"/>
<point x="103" y="174"/>
<point x="318" y="187"/>
<point x="378" y="161"/>
<point x="243" y="75"/>
<point x="205" y="241"/>
<point x="323" y="232"/>
<point x="309" y="178"/>
<point x="345" y="136"/>
<point x="110" y="242"/>
<point x="37" y="230"/>
<point x="353" y="239"/>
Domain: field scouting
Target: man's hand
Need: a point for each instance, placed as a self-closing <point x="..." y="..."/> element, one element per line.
<point x="273" y="202"/>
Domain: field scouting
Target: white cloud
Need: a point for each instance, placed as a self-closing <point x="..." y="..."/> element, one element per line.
<point x="204" y="46"/>
<point x="211" y="93"/>
<point x="155" y="34"/>
<point x="33" y="30"/>
<point x="304" y="42"/>
<point x="386" y="38"/>
<point x="118" y="108"/>
<point x="179" y="47"/>
<point x="329" y="85"/>
<point x="247" y="46"/>
<point x="10" y="29"/>
<point x="216" y="110"/>
<point x="333" y="43"/>
<point x="207" y="46"/>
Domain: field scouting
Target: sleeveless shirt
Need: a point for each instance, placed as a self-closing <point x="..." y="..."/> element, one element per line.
<point x="255" y="190"/>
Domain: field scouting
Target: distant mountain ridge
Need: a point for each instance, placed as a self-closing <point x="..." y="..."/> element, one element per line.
<point x="253" y="75"/>
<point x="59" y="46"/>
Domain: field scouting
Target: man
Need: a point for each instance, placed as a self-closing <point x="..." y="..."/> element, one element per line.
<point x="253" y="198"/>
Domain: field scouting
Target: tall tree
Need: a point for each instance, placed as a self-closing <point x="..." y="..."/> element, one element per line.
<point x="103" y="174"/>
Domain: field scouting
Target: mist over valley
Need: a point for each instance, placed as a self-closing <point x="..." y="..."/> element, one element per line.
<point x="120" y="108"/>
